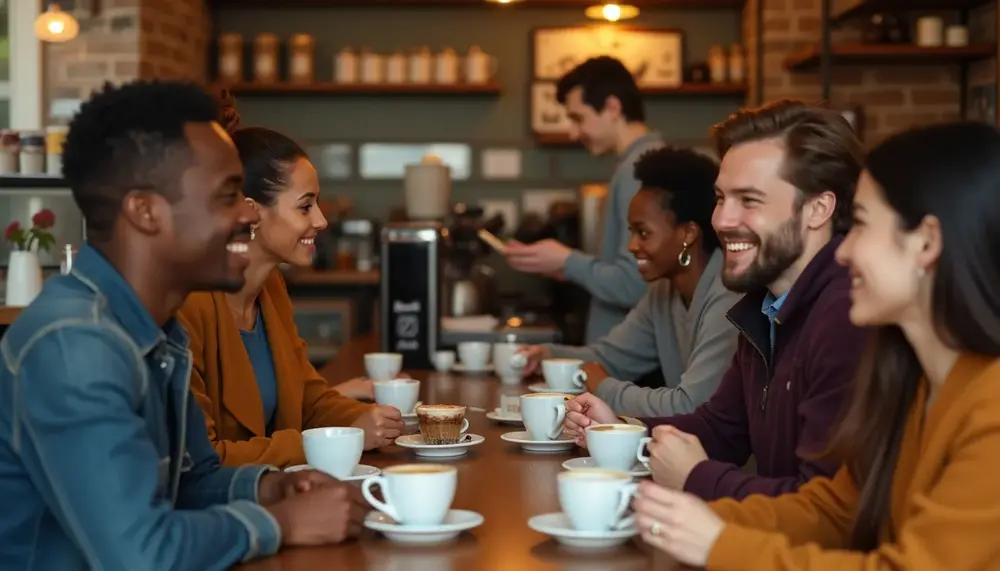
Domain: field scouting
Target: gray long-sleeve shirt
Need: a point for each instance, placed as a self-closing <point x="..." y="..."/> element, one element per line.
<point x="693" y="346"/>
<point x="611" y="277"/>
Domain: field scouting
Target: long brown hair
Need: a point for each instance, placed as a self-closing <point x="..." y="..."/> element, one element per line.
<point x="950" y="172"/>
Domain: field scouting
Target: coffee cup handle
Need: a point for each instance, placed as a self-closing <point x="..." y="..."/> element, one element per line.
<point x="580" y="379"/>
<point x="557" y="427"/>
<point x="628" y="491"/>
<point x="416" y="406"/>
<point x="465" y="426"/>
<point x="384" y="507"/>
<point x="638" y="453"/>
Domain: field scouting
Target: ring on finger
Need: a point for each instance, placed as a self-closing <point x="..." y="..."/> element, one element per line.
<point x="654" y="529"/>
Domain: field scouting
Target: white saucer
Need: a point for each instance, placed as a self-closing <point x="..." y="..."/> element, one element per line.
<point x="361" y="471"/>
<point x="521" y="437"/>
<point x="545" y="388"/>
<point x="557" y="525"/>
<point x="504" y="418"/>
<point x="416" y="442"/>
<point x="455" y="523"/>
<point x="638" y="471"/>
<point x="461" y="368"/>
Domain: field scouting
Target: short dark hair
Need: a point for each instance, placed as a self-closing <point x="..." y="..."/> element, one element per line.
<point x="823" y="153"/>
<point x="603" y="77"/>
<point x="266" y="155"/>
<point x="120" y="141"/>
<point x="684" y="181"/>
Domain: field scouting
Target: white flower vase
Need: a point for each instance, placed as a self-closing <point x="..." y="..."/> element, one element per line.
<point x="24" y="279"/>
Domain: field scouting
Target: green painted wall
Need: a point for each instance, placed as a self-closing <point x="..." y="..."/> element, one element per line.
<point x="479" y="121"/>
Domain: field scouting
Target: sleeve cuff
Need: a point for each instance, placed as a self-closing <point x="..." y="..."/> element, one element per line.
<point x="246" y="482"/>
<point x="704" y="478"/>
<point x="576" y="266"/>
<point x="263" y="531"/>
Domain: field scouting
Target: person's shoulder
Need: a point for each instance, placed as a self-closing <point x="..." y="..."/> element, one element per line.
<point x="64" y="304"/>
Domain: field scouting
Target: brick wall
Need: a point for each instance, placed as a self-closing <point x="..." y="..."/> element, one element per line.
<point x="891" y="97"/>
<point x="125" y="40"/>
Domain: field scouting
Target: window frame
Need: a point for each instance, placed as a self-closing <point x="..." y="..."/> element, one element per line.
<point x="25" y="88"/>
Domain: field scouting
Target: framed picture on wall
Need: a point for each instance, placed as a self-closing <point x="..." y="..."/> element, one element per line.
<point x="548" y="116"/>
<point x="654" y="56"/>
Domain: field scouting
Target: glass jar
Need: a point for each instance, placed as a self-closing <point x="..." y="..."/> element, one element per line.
<point x="32" y="153"/>
<point x="717" y="64"/>
<point x="301" y="51"/>
<point x="737" y="64"/>
<point x="68" y="255"/>
<point x="231" y="58"/>
<point x="265" y="58"/>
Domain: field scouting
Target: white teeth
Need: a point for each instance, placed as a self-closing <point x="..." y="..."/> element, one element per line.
<point x="738" y="246"/>
<point x="238" y="247"/>
<point x="308" y="241"/>
<point x="642" y="262"/>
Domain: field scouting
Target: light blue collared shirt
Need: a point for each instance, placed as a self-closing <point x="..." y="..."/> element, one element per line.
<point x="770" y="308"/>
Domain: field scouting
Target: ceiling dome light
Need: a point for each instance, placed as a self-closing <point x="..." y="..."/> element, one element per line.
<point x="612" y="12"/>
<point x="54" y="25"/>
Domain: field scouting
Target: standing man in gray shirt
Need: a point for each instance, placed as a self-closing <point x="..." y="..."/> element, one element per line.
<point x="603" y="103"/>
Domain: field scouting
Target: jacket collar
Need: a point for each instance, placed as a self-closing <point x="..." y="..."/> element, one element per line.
<point x="815" y="278"/>
<point x="97" y="273"/>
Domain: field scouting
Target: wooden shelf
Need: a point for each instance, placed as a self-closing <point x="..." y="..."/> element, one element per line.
<point x="330" y="88"/>
<point x="332" y="277"/>
<point x="809" y="58"/>
<point x="719" y="89"/>
<point x="695" y="4"/>
<point x="866" y="8"/>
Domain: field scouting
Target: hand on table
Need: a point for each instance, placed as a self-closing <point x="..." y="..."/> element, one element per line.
<point x="382" y="425"/>
<point x="581" y="412"/>
<point x="679" y="524"/>
<point x="543" y="257"/>
<point x="534" y="354"/>
<point x="326" y="514"/>
<point x="673" y="454"/>
<point x="274" y="487"/>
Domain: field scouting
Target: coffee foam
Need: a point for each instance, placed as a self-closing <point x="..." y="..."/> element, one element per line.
<point x="546" y="395"/>
<point x="562" y="360"/>
<point x="419" y="469"/>
<point x="616" y="428"/>
<point x="441" y="410"/>
<point x="595" y="474"/>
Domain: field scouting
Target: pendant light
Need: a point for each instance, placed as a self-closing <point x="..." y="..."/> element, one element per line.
<point x="54" y="25"/>
<point x="612" y="12"/>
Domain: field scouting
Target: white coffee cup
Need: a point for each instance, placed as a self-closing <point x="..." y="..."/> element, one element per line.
<point x="383" y="366"/>
<point x="506" y="365"/>
<point x="335" y="450"/>
<point x="596" y="499"/>
<point x="617" y="446"/>
<point x="400" y="393"/>
<point x="543" y="415"/>
<point x="415" y="494"/>
<point x="444" y="361"/>
<point x="563" y="374"/>
<point x="475" y="355"/>
<point x="510" y="405"/>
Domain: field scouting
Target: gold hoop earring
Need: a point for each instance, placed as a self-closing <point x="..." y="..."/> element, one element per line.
<point x="684" y="258"/>
<point x="253" y="232"/>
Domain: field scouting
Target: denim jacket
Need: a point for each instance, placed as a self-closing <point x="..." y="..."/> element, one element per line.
<point x="105" y="463"/>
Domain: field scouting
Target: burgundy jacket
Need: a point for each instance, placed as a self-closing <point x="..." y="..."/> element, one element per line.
<point x="781" y="410"/>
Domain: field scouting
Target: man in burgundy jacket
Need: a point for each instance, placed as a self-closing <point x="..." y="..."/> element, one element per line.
<point x="784" y="195"/>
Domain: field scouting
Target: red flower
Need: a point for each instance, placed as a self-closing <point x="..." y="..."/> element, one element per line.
<point x="12" y="230"/>
<point x="44" y="219"/>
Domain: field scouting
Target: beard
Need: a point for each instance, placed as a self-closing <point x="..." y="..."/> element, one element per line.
<point x="775" y="254"/>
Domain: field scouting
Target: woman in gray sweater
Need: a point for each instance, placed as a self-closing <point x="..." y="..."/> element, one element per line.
<point x="680" y="325"/>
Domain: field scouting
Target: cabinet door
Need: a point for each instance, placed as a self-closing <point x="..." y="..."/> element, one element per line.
<point x="325" y="325"/>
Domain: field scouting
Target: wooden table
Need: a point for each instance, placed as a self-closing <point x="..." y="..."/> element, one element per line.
<point x="500" y="481"/>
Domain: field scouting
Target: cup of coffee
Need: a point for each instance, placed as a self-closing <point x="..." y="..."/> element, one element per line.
<point x="506" y="365"/>
<point x="510" y="405"/>
<point x="616" y="446"/>
<point x="415" y="494"/>
<point x="383" y="366"/>
<point x="335" y="450"/>
<point x="543" y="415"/>
<point x="443" y="361"/>
<point x="400" y="393"/>
<point x="596" y="499"/>
<point x="563" y="374"/>
<point x="475" y="355"/>
<point x="442" y="423"/>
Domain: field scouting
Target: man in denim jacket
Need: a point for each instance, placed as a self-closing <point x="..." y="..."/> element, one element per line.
<point x="104" y="458"/>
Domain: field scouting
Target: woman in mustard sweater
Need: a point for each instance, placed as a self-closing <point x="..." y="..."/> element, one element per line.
<point x="251" y="374"/>
<point x="920" y="441"/>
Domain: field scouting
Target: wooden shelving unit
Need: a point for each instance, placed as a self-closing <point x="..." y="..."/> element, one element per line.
<point x="708" y="89"/>
<point x="333" y="89"/>
<point x="811" y="57"/>
<point x="867" y="8"/>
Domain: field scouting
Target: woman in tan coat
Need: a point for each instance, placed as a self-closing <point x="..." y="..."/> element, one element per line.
<point x="251" y="374"/>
